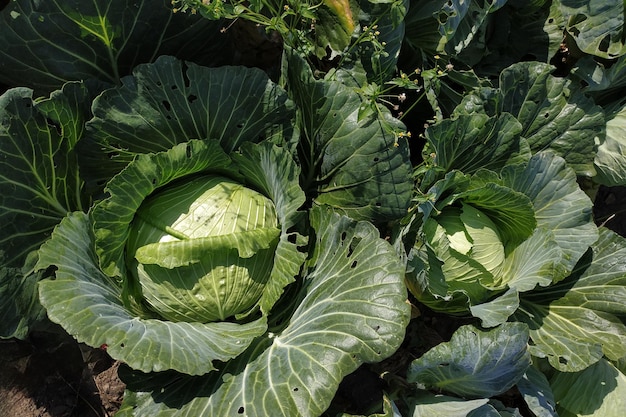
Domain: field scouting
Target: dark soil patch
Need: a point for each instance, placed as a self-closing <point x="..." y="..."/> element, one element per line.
<point x="51" y="375"/>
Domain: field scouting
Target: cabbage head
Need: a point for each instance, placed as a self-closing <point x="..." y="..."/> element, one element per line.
<point x="483" y="239"/>
<point x="184" y="249"/>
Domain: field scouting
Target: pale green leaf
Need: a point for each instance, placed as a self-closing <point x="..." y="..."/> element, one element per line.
<point x="560" y="205"/>
<point x="576" y="321"/>
<point x="498" y="310"/>
<point x="427" y="404"/>
<point x="610" y="160"/>
<point x="536" y="261"/>
<point x="89" y="306"/>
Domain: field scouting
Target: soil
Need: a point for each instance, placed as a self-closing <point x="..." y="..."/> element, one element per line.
<point x="50" y="375"/>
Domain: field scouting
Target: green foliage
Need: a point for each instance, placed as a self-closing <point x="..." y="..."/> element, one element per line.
<point x="242" y="239"/>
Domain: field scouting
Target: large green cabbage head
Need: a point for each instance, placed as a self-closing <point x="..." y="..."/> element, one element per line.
<point x="202" y="250"/>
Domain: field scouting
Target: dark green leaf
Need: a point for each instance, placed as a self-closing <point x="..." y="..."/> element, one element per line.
<point x="351" y="158"/>
<point x="46" y="43"/>
<point x="170" y="102"/>
<point x="475" y="363"/>
<point x="39" y="181"/>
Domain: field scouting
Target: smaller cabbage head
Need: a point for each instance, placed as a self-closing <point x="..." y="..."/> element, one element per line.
<point x="470" y="248"/>
<point x="202" y="250"/>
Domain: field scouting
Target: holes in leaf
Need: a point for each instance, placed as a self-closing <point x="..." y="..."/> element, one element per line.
<point x="122" y="345"/>
<point x="241" y="410"/>
<point x="379" y="204"/>
<point x="167" y="105"/>
<point x="291" y="238"/>
<point x="353" y="265"/>
<point x="546" y="115"/>
<point x="604" y="44"/>
<point x="191" y="98"/>
<point x="154" y="181"/>
<point x="186" y="79"/>
<point x="50" y="272"/>
<point x="376" y="328"/>
<point x="239" y="125"/>
<point x="353" y="244"/>
<point x="343" y="235"/>
<point x="551" y="20"/>
<point x="376" y="159"/>
<point x="55" y="126"/>
<point x="296" y="389"/>
<point x="562" y="360"/>
<point x="188" y="152"/>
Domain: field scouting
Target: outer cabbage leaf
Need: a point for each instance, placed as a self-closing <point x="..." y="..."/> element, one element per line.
<point x="576" y="321"/>
<point x="561" y="207"/>
<point x="519" y="31"/>
<point x="597" y="27"/>
<point x="337" y="21"/>
<point x="170" y="102"/>
<point x="598" y="391"/>
<point x="475" y="141"/>
<point x="554" y="113"/>
<point x="475" y="363"/>
<point x="465" y="23"/>
<point x="535" y="389"/>
<point x="273" y="171"/>
<point x="427" y="404"/>
<point x="351" y="158"/>
<point x="39" y="180"/>
<point x="45" y="43"/>
<point x="19" y="301"/>
<point x="604" y="83"/>
<point x="610" y="160"/>
<point x="449" y="26"/>
<point x="352" y="309"/>
<point x="39" y="184"/>
<point x="90" y="307"/>
<point x="498" y="310"/>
